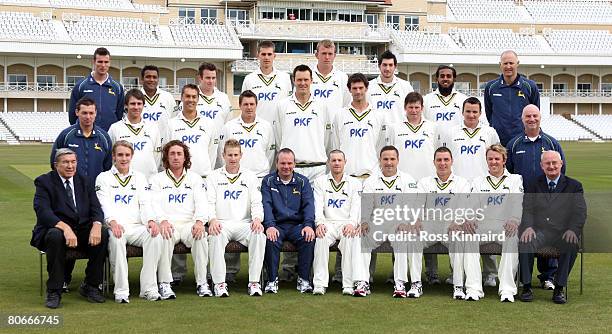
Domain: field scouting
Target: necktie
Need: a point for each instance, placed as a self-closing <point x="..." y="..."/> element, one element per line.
<point x="69" y="194"/>
<point x="551" y="186"/>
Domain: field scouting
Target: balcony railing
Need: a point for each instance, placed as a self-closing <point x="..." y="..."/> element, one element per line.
<point x="348" y="66"/>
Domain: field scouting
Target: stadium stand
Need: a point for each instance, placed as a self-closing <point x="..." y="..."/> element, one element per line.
<point x="495" y="40"/>
<point x="210" y="35"/>
<point x="600" y="124"/>
<point x="25" y="26"/>
<point x="114" y="30"/>
<point x="21" y="125"/>
<point x="94" y="4"/>
<point x="596" y="42"/>
<point x="570" y="11"/>
<point x="312" y="30"/>
<point x="422" y="41"/>
<point x="25" y="2"/>
<point x="488" y="11"/>
<point x="563" y="129"/>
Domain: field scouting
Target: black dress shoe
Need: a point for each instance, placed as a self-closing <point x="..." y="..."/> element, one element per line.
<point x="53" y="299"/>
<point x="527" y="295"/>
<point x="559" y="297"/>
<point x="92" y="293"/>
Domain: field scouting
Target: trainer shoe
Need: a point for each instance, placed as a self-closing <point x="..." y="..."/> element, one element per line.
<point x="92" y="293"/>
<point x="527" y="295"/>
<point x="151" y="295"/>
<point x="547" y="285"/>
<point x="303" y="286"/>
<point x="471" y="296"/>
<point x="66" y="287"/>
<point x="433" y="279"/>
<point x="361" y="289"/>
<point x="318" y="290"/>
<point x="458" y="293"/>
<point x="203" y="290"/>
<point x="558" y="296"/>
<point x="254" y="289"/>
<point x="347" y="291"/>
<point x="399" y="290"/>
<point x="272" y="287"/>
<point x="122" y="299"/>
<point x="165" y="291"/>
<point x="506" y="298"/>
<point x="416" y="290"/>
<point x="221" y="290"/>
<point x="490" y="281"/>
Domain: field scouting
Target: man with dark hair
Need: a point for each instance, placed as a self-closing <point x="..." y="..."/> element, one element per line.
<point x="387" y="91"/>
<point x="329" y="82"/>
<point x="159" y="104"/>
<point x="144" y="136"/>
<point x="289" y="214"/>
<point x="101" y="88"/>
<point x="68" y="215"/>
<point x="269" y="84"/>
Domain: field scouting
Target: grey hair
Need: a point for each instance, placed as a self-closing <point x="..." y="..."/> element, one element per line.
<point x="512" y="52"/>
<point x="551" y="151"/>
<point x="61" y="152"/>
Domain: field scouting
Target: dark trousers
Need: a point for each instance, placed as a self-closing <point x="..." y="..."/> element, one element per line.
<point x="56" y="256"/>
<point x="544" y="239"/>
<point x="547" y="268"/>
<point x="293" y="234"/>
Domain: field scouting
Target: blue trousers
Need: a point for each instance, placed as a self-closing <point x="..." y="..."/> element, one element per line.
<point x="293" y="234"/>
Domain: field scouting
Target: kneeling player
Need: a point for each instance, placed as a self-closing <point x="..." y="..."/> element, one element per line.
<point x="125" y="198"/>
<point x="181" y="208"/>
<point x="502" y="215"/>
<point x="337" y="206"/>
<point x="236" y="213"/>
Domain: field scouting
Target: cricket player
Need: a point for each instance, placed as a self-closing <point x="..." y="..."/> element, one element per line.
<point x="197" y="132"/>
<point x="159" y="104"/>
<point x="390" y="180"/>
<point x="448" y="191"/>
<point x="181" y="207"/>
<point x="387" y="92"/>
<point x="358" y="131"/>
<point x="337" y="211"/>
<point x="269" y="84"/>
<point x="236" y="213"/>
<point x="303" y="125"/>
<point x="124" y="194"/>
<point x="328" y="82"/>
<point x="254" y="134"/>
<point x="502" y="201"/>
<point x="144" y="136"/>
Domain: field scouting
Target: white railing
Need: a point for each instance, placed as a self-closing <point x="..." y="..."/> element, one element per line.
<point x="348" y="66"/>
<point x="551" y="93"/>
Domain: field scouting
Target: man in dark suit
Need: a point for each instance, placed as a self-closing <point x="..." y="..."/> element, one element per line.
<point x="68" y="215"/>
<point x="554" y="212"/>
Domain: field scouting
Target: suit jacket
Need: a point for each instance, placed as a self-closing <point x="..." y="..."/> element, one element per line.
<point x="51" y="206"/>
<point x="563" y="209"/>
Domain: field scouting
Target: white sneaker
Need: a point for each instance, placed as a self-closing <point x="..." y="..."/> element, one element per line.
<point x="122" y="299"/>
<point x="221" y="290"/>
<point x="347" y="291"/>
<point x="272" y="287"/>
<point x="472" y="296"/>
<point x="416" y="290"/>
<point x="254" y="289"/>
<point x="303" y="286"/>
<point x="458" y="293"/>
<point x="203" y="290"/>
<point x="399" y="290"/>
<point x="151" y="296"/>
<point x="318" y="290"/>
<point x="165" y="291"/>
<point x="548" y="285"/>
<point x="362" y="289"/>
<point x="506" y="298"/>
<point x="490" y="281"/>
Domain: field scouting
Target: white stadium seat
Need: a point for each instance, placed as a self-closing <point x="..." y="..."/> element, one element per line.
<point x="487" y="11"/>
<point x="578" y="42"/>
<point x="600" y="124"/>
<point x="21" y="125"/>
<point x="494" y="40"/>
<point x="563" y="129"/>
<point x="570" y="11"/>
<point x="111" y="30"/>
<point x="420" y="41"/>
<point x="212" y="35"/>
<point x="25" y="26"/>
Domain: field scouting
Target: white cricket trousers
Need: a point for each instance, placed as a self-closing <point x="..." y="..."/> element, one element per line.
<point x="321" y="255"/>
<point x="139" y="236"/>
<point x="199" y="252"/>
<point x="241" y="232"/>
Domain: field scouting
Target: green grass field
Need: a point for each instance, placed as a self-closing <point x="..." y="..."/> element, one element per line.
<point x="290" y="312"/>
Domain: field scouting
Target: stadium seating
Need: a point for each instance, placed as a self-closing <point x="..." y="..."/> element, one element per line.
<point x="25" y="2"/>
<point x="212" y="35"/>
<point x="110" y="30"/>
<point x="570" y="11"/>
<point x="600" y="124"/>
<point x="596" y="42"/>
<point x="94" y="4"/>
<point x="494" y="40"/>
<point x="21" y="125"/>
<point x="305" y="29"/>
<point x="25" y="26"/>
<point x="487" y="11"/>
<point x="563" y="129"/>
<point x="421" y="41"/>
